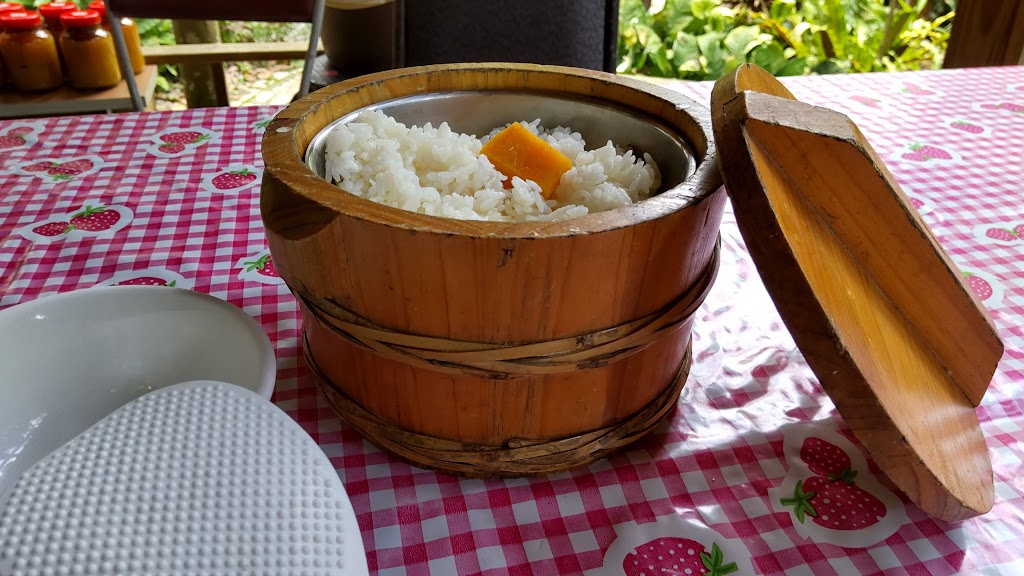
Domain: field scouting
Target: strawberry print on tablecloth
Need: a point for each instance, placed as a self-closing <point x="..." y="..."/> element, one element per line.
<point x="672" y="546"/>
<point x="967" y="127"/>
<point x="175" y="142"/>
<point x="1014" y="107"/>
<point x="260" y="126"/>
<point x="922" y="206"/>
<point x="918" y="91"/>
<point x="830" y="493"/>
<point x="231" y="179"/>
<point x="1010" y="234"/>
<point x="149" y="277"/>
<point x="871" y="101"/>
<point x="986" y="287"/>
<point x="924" y="153"/>
<point x="20" y="135"/>
<point x="259" y="267"/>
<point x="59" y="170"/>
<point x="95" y="220"/>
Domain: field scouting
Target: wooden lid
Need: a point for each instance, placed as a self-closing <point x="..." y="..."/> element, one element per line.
<point x="881" y="314"/>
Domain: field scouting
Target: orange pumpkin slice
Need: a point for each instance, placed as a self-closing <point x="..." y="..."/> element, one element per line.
<point x="516" y="152"/>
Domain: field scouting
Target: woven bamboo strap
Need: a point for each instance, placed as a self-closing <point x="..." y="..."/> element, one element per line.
<point x="506" y="361"/>
<point x="517" y="457"/>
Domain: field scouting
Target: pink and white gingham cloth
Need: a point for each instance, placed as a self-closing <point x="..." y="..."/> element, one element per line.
<point x="173" y="198"/>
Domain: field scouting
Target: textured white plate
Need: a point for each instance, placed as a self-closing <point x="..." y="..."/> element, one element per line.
<point x="196" y="478"/>
<point x="69" y="360"/>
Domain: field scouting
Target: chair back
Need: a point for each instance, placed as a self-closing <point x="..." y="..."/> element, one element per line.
<point x="580" y="33"/>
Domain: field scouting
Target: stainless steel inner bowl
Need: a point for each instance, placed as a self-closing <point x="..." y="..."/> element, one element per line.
<point x="480" y="111"/>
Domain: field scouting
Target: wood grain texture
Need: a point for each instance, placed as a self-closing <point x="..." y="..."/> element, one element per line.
<point x="67" y="100"/>
<point x="880" y="313"/>
<point x="986" y="33"/>
<point x="209" y="53"/>
<point x="518" y="457"/>
<point x="491" y="282"/>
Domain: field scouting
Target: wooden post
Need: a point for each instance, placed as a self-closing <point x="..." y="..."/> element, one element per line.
<point x="986" y="33"/>
<point x="204" y="83"/>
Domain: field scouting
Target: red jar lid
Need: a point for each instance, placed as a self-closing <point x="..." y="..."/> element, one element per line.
<point x="55" y="9"/>
<point x="80" y="18"/>
<point x="10" y="7"/>
<point x="20" y="20"/>
<point x="99" y="6"/>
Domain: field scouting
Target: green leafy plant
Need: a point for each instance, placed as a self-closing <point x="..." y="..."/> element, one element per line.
<point x="704" y="39"/>
<point x="159" y="32"/>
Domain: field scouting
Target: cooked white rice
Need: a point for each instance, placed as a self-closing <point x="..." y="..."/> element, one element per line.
<point x="440" y="172"/>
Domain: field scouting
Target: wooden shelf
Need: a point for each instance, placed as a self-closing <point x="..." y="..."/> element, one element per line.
<point x="67" y="100"/>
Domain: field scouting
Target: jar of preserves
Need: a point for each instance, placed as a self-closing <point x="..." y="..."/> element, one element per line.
<point x="29" y="52"/>
<point x="6" y="7"/>
<point x="51" y="13"/>
<point x="89" y="51"/>
<point x="131" y="35"/>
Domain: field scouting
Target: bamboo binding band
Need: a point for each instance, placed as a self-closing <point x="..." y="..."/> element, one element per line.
<point x="507" y="361"/>
<point x="518" y="457"/>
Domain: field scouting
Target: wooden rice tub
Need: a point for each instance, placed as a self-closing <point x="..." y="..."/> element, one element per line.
<point x="494" y="349"/>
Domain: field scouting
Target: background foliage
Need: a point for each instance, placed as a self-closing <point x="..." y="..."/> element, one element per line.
<point x="704" y="39"/>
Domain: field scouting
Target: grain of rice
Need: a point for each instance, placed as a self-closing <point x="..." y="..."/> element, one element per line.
<point x="440" y="172"/>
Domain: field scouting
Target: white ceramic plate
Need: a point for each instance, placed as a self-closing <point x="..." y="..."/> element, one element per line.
<point x="69" y="360"/>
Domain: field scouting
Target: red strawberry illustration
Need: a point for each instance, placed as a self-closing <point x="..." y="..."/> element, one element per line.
<point x="95" y="219"/>
<point x="916" y="90"/>
<point x="264" y="265"/>
<point x="146" y="281"/>
<point x="1019" y="230"/>
<point x="20" y="131"/>
<point x="1011" y="107"/>
<point x="39" y="166"/>
<point x="924" y="153"/>
<point x="676" y="556"/>
<point x="233" y="179"/>
<point x="837" y="504"/>
<point x="53" y="229"/>
<point x="967" y="127"/>
<point x="172" y="148"/>
<point x="184" y="138"/>
<point x="10" y="140"/>
<point x="831" y="497"/>
<point x="827" y="459"/>
<point x="1008" y="106"/>
<point x="1004" y="234"/>
<point x="865" y="100"/>
<point x="69" y="170"/>
<point x="979" y="285"/>
<point x="916" y="203"/>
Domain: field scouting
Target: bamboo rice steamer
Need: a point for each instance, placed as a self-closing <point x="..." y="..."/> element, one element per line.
<point x="494" y="349"/>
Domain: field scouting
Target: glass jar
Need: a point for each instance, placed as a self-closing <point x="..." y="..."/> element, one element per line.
<point x="51" y="13"/>
<point x="29" y="52"/>
<point x="131" y="35"/>
<point x="89" y="50"/>
<point x="6" y="7"/>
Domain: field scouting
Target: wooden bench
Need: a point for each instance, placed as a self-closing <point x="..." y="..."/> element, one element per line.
<point x="225" y="52"/>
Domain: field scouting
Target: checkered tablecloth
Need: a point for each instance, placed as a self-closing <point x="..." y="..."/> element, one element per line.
<point x="172" y="198"/>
